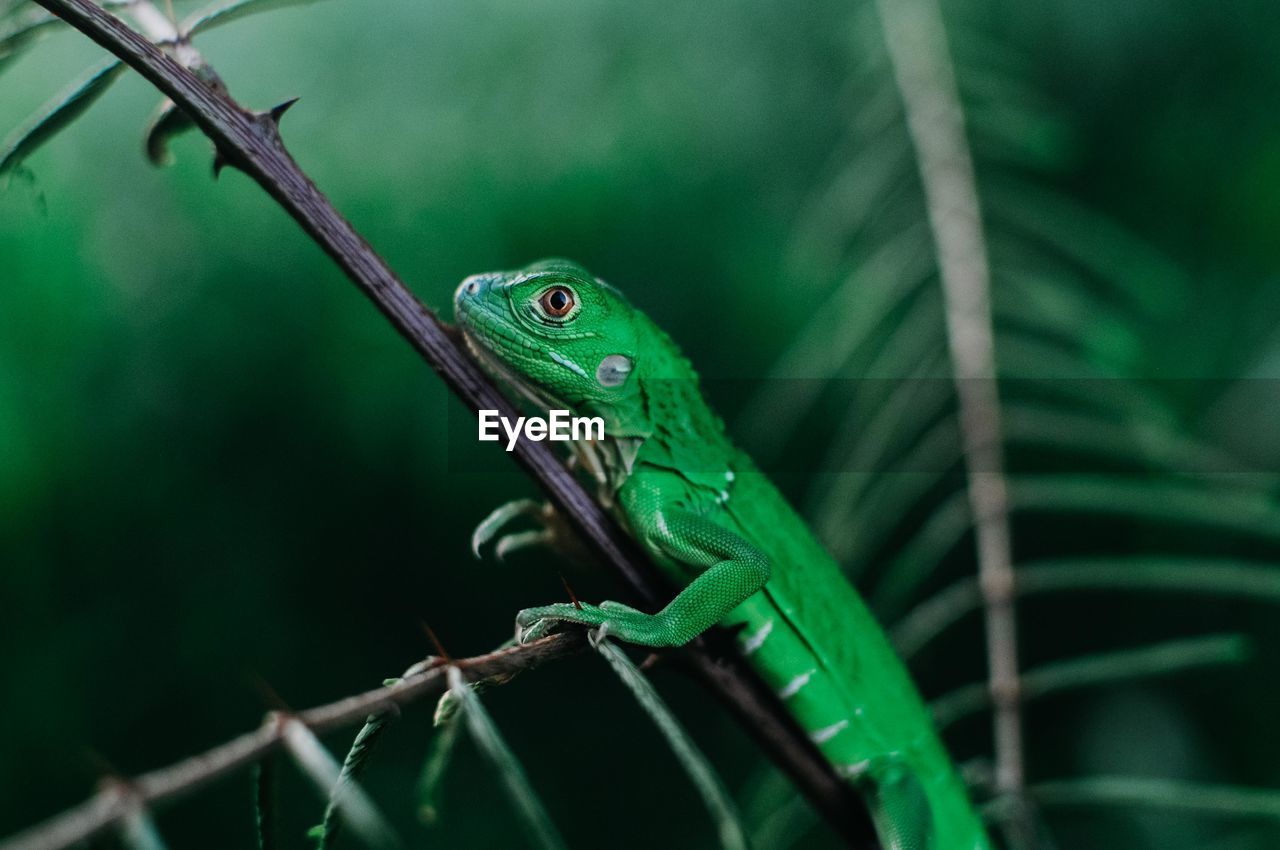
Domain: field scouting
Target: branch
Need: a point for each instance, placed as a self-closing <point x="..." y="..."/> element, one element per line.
<point x="251" y="142"/>
<point x="119" y="798"/>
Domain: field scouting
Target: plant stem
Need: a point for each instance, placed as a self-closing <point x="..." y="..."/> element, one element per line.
<point x="110" y="805"/>
<point x="916" y="38"/>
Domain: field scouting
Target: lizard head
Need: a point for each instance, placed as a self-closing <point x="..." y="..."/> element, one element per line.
<point x="556" y="333"/>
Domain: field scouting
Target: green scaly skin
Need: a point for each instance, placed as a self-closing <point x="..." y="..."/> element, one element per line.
<point x="717" y="526"/>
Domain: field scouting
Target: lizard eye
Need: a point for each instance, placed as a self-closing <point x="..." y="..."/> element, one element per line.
<point x="557" y="301"/>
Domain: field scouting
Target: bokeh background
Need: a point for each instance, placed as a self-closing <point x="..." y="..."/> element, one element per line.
<point x="222" y="475"/>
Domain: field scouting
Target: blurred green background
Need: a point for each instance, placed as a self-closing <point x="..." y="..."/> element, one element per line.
<point x="220" y="469"/>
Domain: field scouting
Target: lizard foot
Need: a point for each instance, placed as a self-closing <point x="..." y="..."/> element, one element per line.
<point x="614" y="619"/>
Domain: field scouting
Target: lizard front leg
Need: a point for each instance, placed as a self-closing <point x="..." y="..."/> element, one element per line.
<point x="729" y="568"/>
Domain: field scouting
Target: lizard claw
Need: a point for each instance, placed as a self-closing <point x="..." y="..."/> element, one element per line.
<point x="528" y="633"/>
<point x="551" y="530"/>
<point x="446" y="709"/>
<point x="595" y="637"/>
<point x="495" y="521"/>
<point x="509" y="543"/>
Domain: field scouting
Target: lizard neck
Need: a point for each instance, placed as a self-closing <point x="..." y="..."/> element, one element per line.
<point x="680" y="431"/>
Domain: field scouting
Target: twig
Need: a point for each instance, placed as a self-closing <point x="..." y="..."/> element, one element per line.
<point x="110" y="805"/>
<point x="916" y="39"/>
<point x="252" y="143"/>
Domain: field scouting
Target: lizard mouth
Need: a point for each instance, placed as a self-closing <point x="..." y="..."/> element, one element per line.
<point x="502" y="347"/>
<point x="491" y="340"/>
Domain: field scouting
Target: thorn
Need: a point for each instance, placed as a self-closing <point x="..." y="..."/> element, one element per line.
<point x="101" y="766"/>
<point x="278" y="111"/>
<point x="272" y="116"/>
<point x="435" y="641"/>
<point x="569" y="590"/>
<point x="220" y="162"/>
<point x="653" y="659"/>
<point x="269" y="694"/>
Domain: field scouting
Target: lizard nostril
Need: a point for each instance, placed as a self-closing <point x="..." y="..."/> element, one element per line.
<point x="469" y="288"/>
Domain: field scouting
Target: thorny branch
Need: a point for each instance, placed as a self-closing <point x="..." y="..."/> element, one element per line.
<point x="251" y="142"/>
<point x="118" y="798"/>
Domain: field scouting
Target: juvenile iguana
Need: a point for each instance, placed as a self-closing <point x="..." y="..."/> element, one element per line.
<point x="717" y="526"/>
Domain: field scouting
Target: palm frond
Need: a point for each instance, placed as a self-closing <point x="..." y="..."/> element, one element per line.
<point x="1047" y="314"/>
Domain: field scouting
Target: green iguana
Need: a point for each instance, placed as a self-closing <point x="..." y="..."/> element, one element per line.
<point x="719" y="529"/>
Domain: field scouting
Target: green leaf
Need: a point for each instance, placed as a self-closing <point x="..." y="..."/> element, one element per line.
<point x="1174" y="503"/>
<point x="138" y="831"/>
<point x="264" y="802"/>
<point x="439" y="756"/>
<point x="878" y="287"/>
<point x="352" y="766"/>
<point x="24" y="28"/>
<point x="724" y="813"/>
<point x="541" y="830"/>
<point x="1155" y="446"/>
<point x="863" y="510"/>
<point x="1103" y="668"/>
<point x="1162" y="794"/>
<point x="227" y="12"/>
<point x="1248" y="581"/>
<point x="352" y="803"/>
<point x="22" y="33"/>
<point x="1135" y="273"/>
<point x="58" y="114"/>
